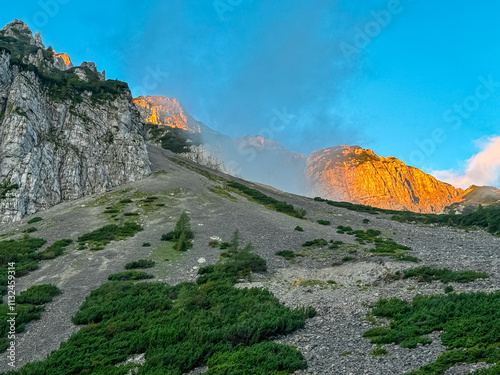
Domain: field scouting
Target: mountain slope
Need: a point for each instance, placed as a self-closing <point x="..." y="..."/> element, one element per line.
<point x="357" y="175"/>
<point x="64" y="132"/>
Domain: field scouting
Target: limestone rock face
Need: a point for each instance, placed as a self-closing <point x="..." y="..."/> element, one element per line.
<point x="57" y="145"/>
<point x="357" y="175"/>
<point x="162" y="110"/>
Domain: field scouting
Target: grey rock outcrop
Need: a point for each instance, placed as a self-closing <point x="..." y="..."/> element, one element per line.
<point x="56" y="147"/>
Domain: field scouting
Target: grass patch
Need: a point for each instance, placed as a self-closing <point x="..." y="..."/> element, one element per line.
<point x="180" y="328"/>
<point x="267" y="201"/>
<point x="348" y="259"/>
<point x="99" y="238"/>
<point x="470" y="323"/>
<point x="323" y="222"/>
<point x="30" y="230"/>
<point x="141" y="263"/>
<point x="444" y="275"/>
<point x="35" y="220"/>
<point x="130" y="275"/>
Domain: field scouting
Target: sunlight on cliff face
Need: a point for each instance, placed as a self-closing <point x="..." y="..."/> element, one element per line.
<point x="482" y="169"/>
<point x="165" y="111"/>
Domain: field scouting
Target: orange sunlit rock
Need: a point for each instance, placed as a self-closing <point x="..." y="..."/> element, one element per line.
<point x="162" y="110"/>
<point x="358" y="175"/>
<point x="66" y="59"/>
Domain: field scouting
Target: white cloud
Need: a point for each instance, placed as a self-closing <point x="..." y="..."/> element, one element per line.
<point x="482" y="169"/>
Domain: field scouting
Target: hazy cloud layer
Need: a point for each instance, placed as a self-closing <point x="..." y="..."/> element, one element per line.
<point x="482" y="169"/>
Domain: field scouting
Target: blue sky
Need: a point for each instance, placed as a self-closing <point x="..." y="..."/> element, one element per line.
<point x="237" y="64"/>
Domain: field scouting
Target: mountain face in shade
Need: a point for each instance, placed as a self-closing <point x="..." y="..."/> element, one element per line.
<point x="357" y="175"/>
<point x="65" y="132"/>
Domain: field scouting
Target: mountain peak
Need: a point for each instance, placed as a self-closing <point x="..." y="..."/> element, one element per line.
<point x="357" y="175"/>
<point x="166" y="111"/>
<point x="15" y="27"/>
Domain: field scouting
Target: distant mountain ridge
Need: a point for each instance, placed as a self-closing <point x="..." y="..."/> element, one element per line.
<point x="343" y="173"/>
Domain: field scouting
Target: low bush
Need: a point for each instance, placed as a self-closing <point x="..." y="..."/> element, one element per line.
<point x="35" y="220"/>
<point x="129" y="275"/>
<point x="272" y="203"/>
<point x="287" y="254"/>
<point x="263" y="358"/>
<point x="323" y="222"/>
<point x="299" y="229"/>
<point x="443" y="274"/>
<point x="53" y="251"/>
<point x="142" y="263"/>
<point x="99" y="238"/>
<point x="38" y="295"/>
<point x="317" y="242"/>
<point x="470" y="325"/>
<point x="146" y="244"/>
<point x="180" y="328"/>
<point x="30" y="230"/>
<point x="22" y="252"/>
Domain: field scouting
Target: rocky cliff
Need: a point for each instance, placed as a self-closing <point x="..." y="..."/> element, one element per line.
<point x="162" y="110"/>
<point x="357" y="175"/>
<point x="65" y="131"/>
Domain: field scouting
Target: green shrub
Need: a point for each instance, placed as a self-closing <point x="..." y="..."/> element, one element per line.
<point x="30" y="230"/>
<point x="131" y="214"/>
<point x="99" y="238"/>
<point x="366" y="221"/>
<point x="299" y="229"/>
<point x="264" y="358"/>
<point x="127" y="200"/>
<point x="323" y="222"/>
<point x="379" y="351"/>
<point x="225" y="245"/>
<point x="146" y="244"/>
<point x="287" y="254"/>
<point x="53" y="251"/>
<point x="470" y="325"/>
<point x="268" y="201"/>
<point x="317" y="242"/>
<point x="129" y="275"/>
<point x="448" y="289"/>
<point x="182" y="234"/>
<point x="38" y="295"/>
<point x="22" y="252"/>
<point x="142" y="263"/>
<point x="35" y="220"/>
<point x="443" y="274"/>
<point x="348" y="259"/>
<point x="213" y="243"/>
<point x="179" y="328"/>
